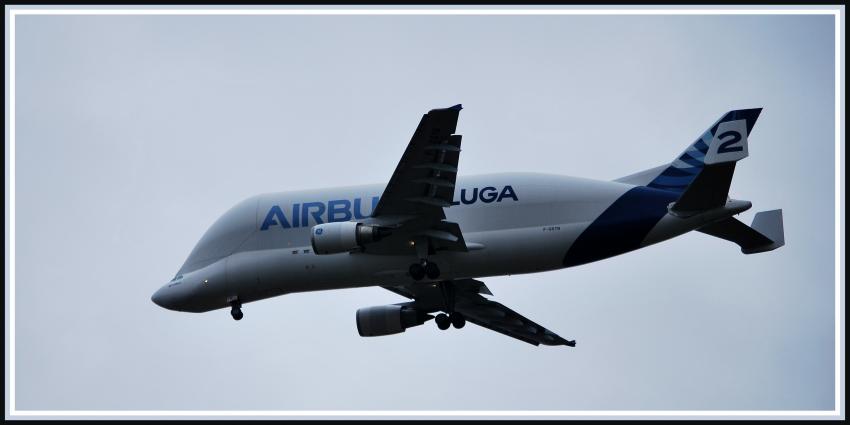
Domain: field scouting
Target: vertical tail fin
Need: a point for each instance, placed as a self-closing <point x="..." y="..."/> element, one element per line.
<point x="724" y="142"/>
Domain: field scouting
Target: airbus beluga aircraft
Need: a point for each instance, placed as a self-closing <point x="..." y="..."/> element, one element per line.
<point x="428" y="235"/>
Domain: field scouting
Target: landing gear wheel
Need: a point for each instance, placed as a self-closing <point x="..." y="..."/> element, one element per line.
<point x="432" y="271"/>
<point x="417" y="272"/>
<point x="443" y="321"/>
<point x="236" y="312"/>
<point x="457" y="319"/>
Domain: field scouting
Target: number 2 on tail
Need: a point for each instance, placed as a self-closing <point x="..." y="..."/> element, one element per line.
<point x="727" y="146"/>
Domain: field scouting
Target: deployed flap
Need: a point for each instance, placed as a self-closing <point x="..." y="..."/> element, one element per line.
<point x="446" y="236"/>
<point x="467" y="300"/>
<point x="428" y="296"/>
<point x="766" y="233"/>
<point x="497" y="317"/>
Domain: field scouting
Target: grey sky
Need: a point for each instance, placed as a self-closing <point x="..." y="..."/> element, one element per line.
<point x="135" y="133"/>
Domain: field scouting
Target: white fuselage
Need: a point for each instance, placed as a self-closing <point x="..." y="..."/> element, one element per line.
<point x="512" y="223"/>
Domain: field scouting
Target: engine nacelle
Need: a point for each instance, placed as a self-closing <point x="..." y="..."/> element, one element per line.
<point x="388" y="319"/>
<point x="343" y="236"/>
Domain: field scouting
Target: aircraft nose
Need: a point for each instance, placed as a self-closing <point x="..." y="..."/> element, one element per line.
<point x="163" y="298"/>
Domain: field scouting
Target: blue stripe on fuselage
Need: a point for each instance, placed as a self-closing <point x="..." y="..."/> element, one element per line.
<point x="622" y="227"/>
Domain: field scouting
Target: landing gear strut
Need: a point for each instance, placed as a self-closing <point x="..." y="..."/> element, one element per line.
<point x="236" y="310"/>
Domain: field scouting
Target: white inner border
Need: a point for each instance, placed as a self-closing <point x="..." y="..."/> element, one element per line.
<point x="836" y="11"/>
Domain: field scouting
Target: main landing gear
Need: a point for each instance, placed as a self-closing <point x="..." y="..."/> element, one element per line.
<point x="419" y="271"/>
<point x="454" y="319"/>
<point x="236" y="310"/>
<point x="423" y="268"/>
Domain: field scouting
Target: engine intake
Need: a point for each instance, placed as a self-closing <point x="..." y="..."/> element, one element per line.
<point x="333" y="238"/>
<point x="388" y="319"/>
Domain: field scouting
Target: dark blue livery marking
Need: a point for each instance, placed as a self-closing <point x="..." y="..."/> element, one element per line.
<point x="622" y="227"/>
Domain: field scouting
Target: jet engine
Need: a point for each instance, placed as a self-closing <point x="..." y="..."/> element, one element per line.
<point x="389" y="319"/>
<point x="344" y="236"/>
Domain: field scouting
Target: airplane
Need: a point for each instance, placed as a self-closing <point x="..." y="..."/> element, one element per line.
<point x="429" y="235"/>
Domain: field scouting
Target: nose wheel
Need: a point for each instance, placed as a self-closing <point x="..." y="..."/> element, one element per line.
<point x="236" y="310"/>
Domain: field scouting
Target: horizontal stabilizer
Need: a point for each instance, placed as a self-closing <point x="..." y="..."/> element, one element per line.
<point x="765" y="234"/>
<point x="769" y="223"/>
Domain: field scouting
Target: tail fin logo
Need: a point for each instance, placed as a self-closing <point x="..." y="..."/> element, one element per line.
<point x="730" y="143"/>
<point x="725" y="141"/>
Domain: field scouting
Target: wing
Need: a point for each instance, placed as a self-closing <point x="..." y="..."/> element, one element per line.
<point x="421" y="186"/>
<point x="497" y="317"/>
<point x="464" y="296"/>
<point x="424" y="180"/>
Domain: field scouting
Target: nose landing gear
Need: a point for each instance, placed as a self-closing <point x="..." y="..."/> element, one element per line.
<point x="236" y="310"/>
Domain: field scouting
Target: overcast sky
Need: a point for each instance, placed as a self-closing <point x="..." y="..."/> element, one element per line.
<point x="134" y="133"/>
